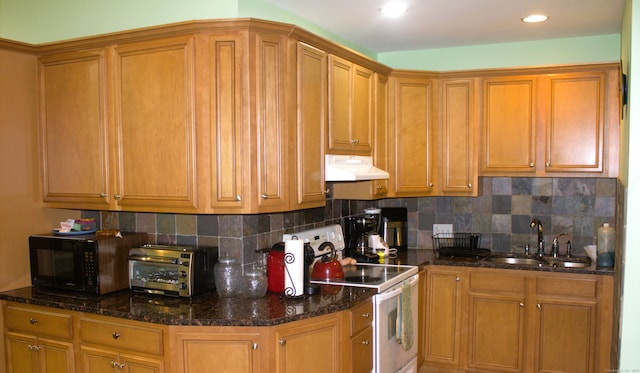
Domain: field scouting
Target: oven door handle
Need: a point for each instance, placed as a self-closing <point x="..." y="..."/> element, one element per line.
<point x="395" y="292"/>
<point x="154" y="259"/>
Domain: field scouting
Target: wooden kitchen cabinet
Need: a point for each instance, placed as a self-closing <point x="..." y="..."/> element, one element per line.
<point x="38" y="340"/>
<point x="443" y="317"/>
<point x="496" y="321"/>
<point x="115" y="345"/>
<point x="554" y="122"/>
<point x="359" y="352"/>
<point x="503" y="320"/>
<point x="411" y="134"/>
<point x="228" y="349"/>
<point x="117" y="146"/>
<point x="350" y="100"/>
<point x="311" y="345"/>
<point x="458" y="126"/>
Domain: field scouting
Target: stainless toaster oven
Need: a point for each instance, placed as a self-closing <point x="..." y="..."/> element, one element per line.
<point x="181" y="271"/>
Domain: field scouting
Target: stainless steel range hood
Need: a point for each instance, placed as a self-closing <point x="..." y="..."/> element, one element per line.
<point x="351" y="168"/>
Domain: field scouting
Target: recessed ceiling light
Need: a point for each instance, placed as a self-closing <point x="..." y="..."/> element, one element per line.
<point x="394" y="9"/>
<point x="535" y="18"/>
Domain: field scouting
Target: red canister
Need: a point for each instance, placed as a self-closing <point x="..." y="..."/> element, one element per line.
<point x="275" y="268"/>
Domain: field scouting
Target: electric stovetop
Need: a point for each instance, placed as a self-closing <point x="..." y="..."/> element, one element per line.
<point x="377" y="276"/>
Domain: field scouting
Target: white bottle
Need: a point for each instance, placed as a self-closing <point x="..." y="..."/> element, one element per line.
<point x="606" y="246"/>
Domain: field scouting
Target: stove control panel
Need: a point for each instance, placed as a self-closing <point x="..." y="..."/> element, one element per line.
<point x="316" y="237"/>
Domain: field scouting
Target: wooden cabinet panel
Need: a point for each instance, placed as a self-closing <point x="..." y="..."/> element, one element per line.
<point x="98" y="360"/>
<point x="362" y="351"/>
<point x="411" y="133"/>
<point x="20" y="355"/>
<point x="129" y="337"/>
<point x="31" y="354"/>
<point x="39" y="321"/>
<point x="311" y="121"/>
<point x="443" y="297"/>
<point x="73" y="129"/>
<point x="154" y="124"/>
<point x="362" y="108"/>
<point x="509" y="124"/>
<point x="458" y="125"/>
<point x="575" y="122"/>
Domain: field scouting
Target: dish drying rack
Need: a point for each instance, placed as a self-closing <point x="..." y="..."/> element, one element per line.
<point x="459" y="245"/>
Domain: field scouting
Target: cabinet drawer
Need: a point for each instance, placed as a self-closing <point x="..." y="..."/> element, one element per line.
<point x="483" y="282"/>
<point x="564" y="286"/>
<point x="121" y="336"/>
<point x="362" y="351"/>
<point x="361" y="317"/>
<point x="38" y="321"/>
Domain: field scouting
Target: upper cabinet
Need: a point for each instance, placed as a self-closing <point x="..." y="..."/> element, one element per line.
<point x="350" y="108"/>
<point x="117" y="125"/>
<point x="558" y="122"/>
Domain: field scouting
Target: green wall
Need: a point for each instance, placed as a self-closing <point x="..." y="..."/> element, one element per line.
<point x="42" y="21"/>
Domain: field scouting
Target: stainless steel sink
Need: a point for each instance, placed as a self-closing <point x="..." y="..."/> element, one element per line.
<point x="574" y="262"/>
<point x="514" y="260"/>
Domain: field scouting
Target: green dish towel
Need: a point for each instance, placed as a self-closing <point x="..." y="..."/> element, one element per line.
<point x="404" y="321"/>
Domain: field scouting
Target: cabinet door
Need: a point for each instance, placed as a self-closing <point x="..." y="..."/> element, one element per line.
<point x="21" y="357"/>
<point x="362" y="351"/>
<point x="139" y="364"/>
<point x="96" y="360"/>
<point x="509" y="120"/>
<point x="412" y="136"/>
<point x="311" y="346"/>
<point x="218" y="352"/>
<point x="575" y="122"/>
<point x="227" y="85"/>
<point x="340" y="93"/>
<point x="362" y="104"/>
<point x="155" y="125"/>
<point x="56" y="356"/>
<point x="459" y="170"/>
<point x="73" y="130"/>
<point x="271" y="161"/>
<point x="443" y="301"/>
<point x="311" y="114"/>
<point x="380" y="128"/>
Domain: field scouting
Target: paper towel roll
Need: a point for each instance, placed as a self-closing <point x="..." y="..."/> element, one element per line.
<point x="293" y="268"/>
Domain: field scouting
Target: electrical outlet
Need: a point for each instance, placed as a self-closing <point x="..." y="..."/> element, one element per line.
<point x="442" y="228"/>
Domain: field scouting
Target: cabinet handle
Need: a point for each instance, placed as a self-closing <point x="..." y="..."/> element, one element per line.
<point x="539" y="306"/>
<point x="116" y="196"/>
<point x="33" y="348"/>
<point x="430" y="185"/>
<point x="521" y="304"/>
<point x="264" y="196"/>
<point x="238" y="198"/>
<point x="365" y="342"/>
<point x="327" y="193"/>
<point x="33" y="321"/>
<point x="115" y="335"/>
<point x="469" y="185"/>
<point x="547" y="164"/>
<point x="531" y="164"/>
<point x="457" y="278"/>
<point x="102" y="195"/>
<point x="365" y="315"/>
<point x="254" y="345"/>
<point x="113" y="364"/>
<point x="282" y="342"/>
<point x="355" y="141"/>
<point x="121" y="366"/>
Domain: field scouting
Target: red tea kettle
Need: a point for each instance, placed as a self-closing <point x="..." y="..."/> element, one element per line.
<point x="328" y="267"/>
<point x="275" y="268"/>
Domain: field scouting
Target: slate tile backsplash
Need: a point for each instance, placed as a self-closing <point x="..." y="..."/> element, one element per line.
<point x="501" y="213"/>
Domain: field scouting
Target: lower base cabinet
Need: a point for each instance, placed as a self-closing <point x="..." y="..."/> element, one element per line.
<point x="96" y="360"/>
<point x="29" y="354"/>
<point x="501" y="320"/>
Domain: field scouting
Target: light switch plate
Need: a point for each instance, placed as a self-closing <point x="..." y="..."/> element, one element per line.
<point x="442" y="228"/>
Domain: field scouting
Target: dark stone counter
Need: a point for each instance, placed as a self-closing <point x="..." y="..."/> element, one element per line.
<point x="210" y="310"/>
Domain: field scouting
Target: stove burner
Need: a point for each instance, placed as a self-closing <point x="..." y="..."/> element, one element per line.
<point x="362" y="279"/>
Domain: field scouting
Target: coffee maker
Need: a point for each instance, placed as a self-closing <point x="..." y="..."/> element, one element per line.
<point x="357" y="230"/>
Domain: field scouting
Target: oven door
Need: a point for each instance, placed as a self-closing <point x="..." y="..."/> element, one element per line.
<point x="156" y="276"/>
<point x="396" y="329"/>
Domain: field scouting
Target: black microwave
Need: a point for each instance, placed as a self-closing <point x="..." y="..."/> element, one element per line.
<point x="84" y="263"/>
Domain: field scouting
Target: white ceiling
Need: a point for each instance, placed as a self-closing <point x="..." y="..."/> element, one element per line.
<point x="431" y="24"/>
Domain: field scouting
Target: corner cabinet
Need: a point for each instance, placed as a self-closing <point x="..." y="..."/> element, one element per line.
<point x="503" y="320"/>
<point x="558" y="122"/>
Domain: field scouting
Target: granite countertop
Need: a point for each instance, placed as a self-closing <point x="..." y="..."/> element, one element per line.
<point x="211" y="310"/>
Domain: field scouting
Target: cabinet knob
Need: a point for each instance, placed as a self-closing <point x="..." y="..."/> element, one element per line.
<point x="33" y="348"/>
<point x="355" y="141"/>
<point x="521" y="304"/>
<point x="547" y="165"/>
<point x="469" y="185"/>
<point x="365" y="315"/>
<point x="238" y="198"/>
<point x="531" y="164"/>
<point x="121" y="366"/>
<point x="33" y="321"/>
<point x="264" y="196"/>
<point x="116" y="196"/>
<point x="365" y="342"/>
<point x="254" y="345"/>
<point x="113" y="364"/>
<point x="327" y="193"/>
<point x="282" y="342"/>
<point x="430" y="185"/>
<point x="102" y="195"/>
<point x="115" y="335"/>
<point x="539" y="306"/>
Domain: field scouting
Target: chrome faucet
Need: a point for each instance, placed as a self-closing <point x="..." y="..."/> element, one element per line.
<point x="536" y="223"/>
<point x="555" y="248"/>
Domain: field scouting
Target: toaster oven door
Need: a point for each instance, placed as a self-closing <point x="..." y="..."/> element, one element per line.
<point x="158" y="277"/>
